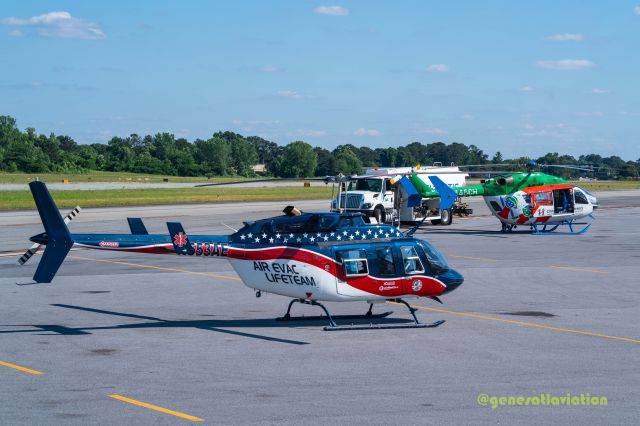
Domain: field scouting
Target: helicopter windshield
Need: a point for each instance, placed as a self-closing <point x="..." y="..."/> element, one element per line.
<point x="437" y="261"/>
<point x="372" y="185"/>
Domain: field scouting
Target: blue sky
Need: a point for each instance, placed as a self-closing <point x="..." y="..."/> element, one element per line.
<point x="520" y="77"/>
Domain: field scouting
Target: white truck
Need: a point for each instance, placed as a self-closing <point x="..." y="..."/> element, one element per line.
<point x="374" y="195"/>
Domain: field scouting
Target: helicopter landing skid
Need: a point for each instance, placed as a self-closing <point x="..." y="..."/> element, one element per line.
<point x="551" y="229"/>
<point x="369" y="315"/>
<point x="288" y="317"/>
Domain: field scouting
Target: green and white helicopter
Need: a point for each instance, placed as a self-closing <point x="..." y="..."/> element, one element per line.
<point x="535" y="199"/>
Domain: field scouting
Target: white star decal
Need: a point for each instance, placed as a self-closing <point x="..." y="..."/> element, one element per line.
<point x="285" y="240"/>
<point x="290" y="235"/>
<point x="386" y="235"/>
<point x="332" y="234"/>
<point x="264" y="235"/>
<point x="305" y="235"/>
<point x="298" y="239"/>
<point x="277" y="235"/>
<point x="312" y="239"/>
<point x="369" y="231"/>
<point x="344" y="233"/>
<point x="357" y="232"/>
<point x="339" y="238"/>
<point x="318" y="234"/>
<point x="351" y="237"/>
<point x="257" y="239"/>
<point x="242" y="237"/>
<point x="250" y="235"/>
<point x="375" y="235"/>
<point x="326" y="238"/>
<point x="271" y="240"/>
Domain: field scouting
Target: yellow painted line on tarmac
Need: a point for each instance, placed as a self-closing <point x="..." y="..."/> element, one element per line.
<point x="156" y="408"/>
<point x="473" y="258"/>
<point x="571" y="268"/>
<point x="162" y="268"/>
<point x="19" y="367"/>
<point x="526" y="324"/>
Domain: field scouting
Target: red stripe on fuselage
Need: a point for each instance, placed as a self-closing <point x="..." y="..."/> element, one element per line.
<point x="546" y="188"/>
<point x="391" y="287"/>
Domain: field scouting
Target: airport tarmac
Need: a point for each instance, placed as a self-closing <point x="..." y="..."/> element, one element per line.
<point x="115" y="332"/>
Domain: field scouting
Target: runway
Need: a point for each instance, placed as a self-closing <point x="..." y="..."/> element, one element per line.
<point x="144" y="339"/>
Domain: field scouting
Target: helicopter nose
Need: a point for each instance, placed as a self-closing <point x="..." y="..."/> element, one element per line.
<point x="452" y="279"/>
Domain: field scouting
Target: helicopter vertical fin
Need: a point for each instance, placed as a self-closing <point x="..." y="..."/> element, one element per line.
<point x="137" y="226"/>
<point x="447" y="195"/>
<point x="59" y="240"/>
<point x="179" y="239"/>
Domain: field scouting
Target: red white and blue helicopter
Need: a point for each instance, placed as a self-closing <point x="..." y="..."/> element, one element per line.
<point x="309" y="257"/>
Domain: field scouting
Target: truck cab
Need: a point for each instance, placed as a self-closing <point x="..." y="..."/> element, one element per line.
<point x="373" y="196"/>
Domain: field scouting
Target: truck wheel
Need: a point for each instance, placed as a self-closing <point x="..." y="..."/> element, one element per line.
<point x="378" y="213"/>
<point x="446" y="217"/>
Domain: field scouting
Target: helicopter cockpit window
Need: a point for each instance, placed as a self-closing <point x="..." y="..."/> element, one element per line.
<point x="354" y="262"/>
<point x="580" y="197"/>
<point x="411" y="260"/>
<point x="386" y="265"/>
<point x="436" y="259"/>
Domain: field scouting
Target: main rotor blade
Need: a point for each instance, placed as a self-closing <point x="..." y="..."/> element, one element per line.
<point x="239" y="182"/>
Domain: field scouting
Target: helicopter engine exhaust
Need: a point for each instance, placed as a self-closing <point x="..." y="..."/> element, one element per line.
<point x="505" y="181"/>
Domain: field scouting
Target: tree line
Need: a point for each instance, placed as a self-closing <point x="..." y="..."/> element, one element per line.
<point x="229" y="153"/>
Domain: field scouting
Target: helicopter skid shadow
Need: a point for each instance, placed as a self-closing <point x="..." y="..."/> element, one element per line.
<point x="220" y="326"/>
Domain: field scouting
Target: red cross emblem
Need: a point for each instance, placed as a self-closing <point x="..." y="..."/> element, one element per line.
<point x="180" y="239"/>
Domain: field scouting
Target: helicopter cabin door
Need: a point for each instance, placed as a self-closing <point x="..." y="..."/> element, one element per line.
<point x="412" y="268"/>
<point x="374" y="270"/>
<point x="563" y="201"/>
<point x="354" y="271"/>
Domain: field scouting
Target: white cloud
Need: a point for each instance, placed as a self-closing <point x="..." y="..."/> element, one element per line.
<point x="435" y="131"/>
<point x="468" y="117"/>
<point x="60" y="25"/>
<point x="636" y="10"/>
<point x="291" y="94"/>
<point x="526" y="89"/>
<point x="309" y="133"/>
<point x="331" y="10"/>
<point x="597" y="91"/>
<point x="566" y="64"/>
<point x="367" y="132"/>
<point x="16" y="33"/>
<point x="438" y="68"/>
<point x="566" y="37"/>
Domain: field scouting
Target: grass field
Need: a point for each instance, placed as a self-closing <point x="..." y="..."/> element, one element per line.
<point x="96" y="176"/>
<point x="12" y="200"/>
<point x="609" y="185"/>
